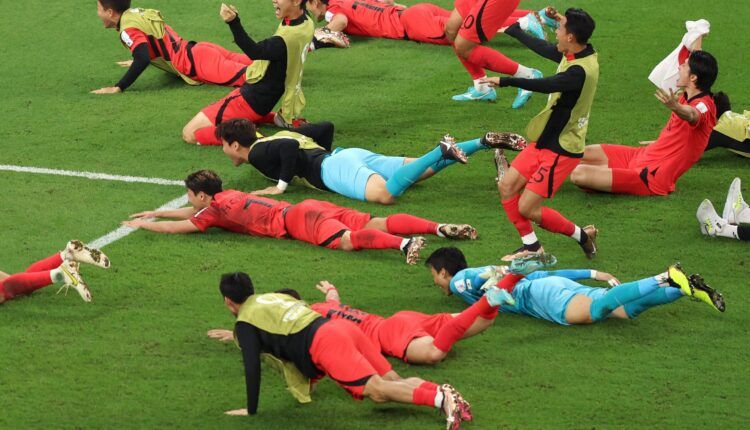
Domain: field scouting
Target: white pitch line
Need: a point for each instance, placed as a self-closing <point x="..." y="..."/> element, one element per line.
<point x="123" y="231"/>
<point x="90" y="175"/>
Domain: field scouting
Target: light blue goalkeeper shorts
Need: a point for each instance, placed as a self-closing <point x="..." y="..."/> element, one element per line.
<point x="347" y="170"/>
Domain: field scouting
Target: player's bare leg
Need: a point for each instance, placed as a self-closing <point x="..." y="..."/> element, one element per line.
<point x="377" y="192"/>
<point x="595" y="155"/>
<point x="422" y="350"/>
<point x="452" y="25"/>
<point x="592" y="177"/>
<point x="199" y="121"/>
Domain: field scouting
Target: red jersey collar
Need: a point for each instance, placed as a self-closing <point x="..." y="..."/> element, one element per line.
<point x="588" y="50"/>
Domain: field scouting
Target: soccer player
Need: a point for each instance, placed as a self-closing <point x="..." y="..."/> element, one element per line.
<point x="305" y="154"/>
<point x="735" y="220"/>
<point x="152" y="41"/>
<point x="556" y="296"/>
<point x="312" y="221"/>
<point x="276" y="79"/>
<point x="60" y="267"/>
<point x="474" y="22"/>
<point x="655" y="168"/>
<point x="310" y="347"/>
<point x="558" y="134"/>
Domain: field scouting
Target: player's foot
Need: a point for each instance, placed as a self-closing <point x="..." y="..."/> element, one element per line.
<point x="458" y="231"/>
<point x="472" y="94"/>
<point x="455" y="407"/>
<point x="451" y="151"/>
<point x="524" y="95"/>
<point x="72" y="279"/>
<point x="710" y="222"/>
<point x="531" y="263"/>
<point x="735" y="203"/>
<point x="504" y="140"/>
<point x="522" y="252"/>
<point x="535" y="26"/>
<point x="498" y="297"/>
<point x="335" y="38"/>
<point x="412" y="249"/>
<point x="677" y="278"/>
<point x="76" y="250"/>
<point x="589" y="246"/>
<point x="548" y="15"/>
<point x="705" y="293"/>
<point x="501" y="165"/>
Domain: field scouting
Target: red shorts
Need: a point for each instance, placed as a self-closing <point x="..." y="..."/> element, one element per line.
<point x="213" y="64"/>
<point x="483" y="18"/>
<point x="322" y="223"/>
<point x="397" y="331"/>
<point x="347" y="356"/>
<point x="425" y="23"/>
<point x="230" y="107"/>
<point x="545" y="171"/>
<point x="627" y="176"/>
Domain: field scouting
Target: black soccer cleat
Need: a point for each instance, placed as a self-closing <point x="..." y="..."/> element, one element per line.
<point x="510" y="141"/>
<point x="451" y="151"/>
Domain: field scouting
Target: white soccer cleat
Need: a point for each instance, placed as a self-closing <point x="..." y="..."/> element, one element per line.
<point x="73" y="280"/>
<point x="335" y="38"/>
<point x="501" y="164"/>
<point x="735" y="204"/>
<point x="412" y="249"/>
<point x="76" y="250"/>
<point x="709" y="220"/>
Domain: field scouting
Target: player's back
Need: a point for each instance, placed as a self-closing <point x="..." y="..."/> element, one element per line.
<point x="368" y="18"/>
<point x="147" y="25"/>
<point x="368" y="323"/>
<point x="250" y="214"/>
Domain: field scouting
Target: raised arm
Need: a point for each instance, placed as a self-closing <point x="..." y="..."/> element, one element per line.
<point x="671" y="101"/>
<point x="272" y="49"/>
<point x="327" y="288"/>
<point x="542" y="47"/>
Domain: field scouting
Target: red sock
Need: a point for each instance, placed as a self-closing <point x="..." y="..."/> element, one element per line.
<point x="509" y="281"/>
<point x="553" y="221"/>
<point x="488" y="58"/>
<point x="52" y="262"/>
<point x="207" y="136"/>
<point x="522" y="224"/>
<point x="409" y="224"/>
<point x="425" y="394"/>
<point x="455" y="329"/>
<point x="25" y="283"/>
<point x="374" y="239"/>
<point x="475" y="71"/>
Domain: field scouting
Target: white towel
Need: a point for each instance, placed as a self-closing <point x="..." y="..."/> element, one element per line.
<point x="665" y="74"/>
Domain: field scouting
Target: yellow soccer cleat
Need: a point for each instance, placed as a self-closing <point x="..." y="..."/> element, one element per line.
<point x="678" y="279"/>
<point x="706" y="294"/>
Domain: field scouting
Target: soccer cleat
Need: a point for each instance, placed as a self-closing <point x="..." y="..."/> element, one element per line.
<point x="535" y="26"/>
<point x="504" y="140"/>
<point x="455" y="407"/>
<point x="548" y="15"/>
<point x="522" y="252"/>
<point x="73" y="280"/>
<point x="472" y="94"/>
<point x="677" y="278"/>
<point x="335" y="38"/>
<point x="412" y="248"/>
<point x="704" y="293"/>
<point x="589" y="247"/>
<point x="531" y="263"/>
<point x="735" y="203"/>
<point x="501" y="165"/>
<point x="458" y="231"/>
<point x="498" y="297"/>
<point x="524" y="95"/>
<point x="709" y="220"/>
<point x="76" y="250"/>
<point x="451" y="151"/>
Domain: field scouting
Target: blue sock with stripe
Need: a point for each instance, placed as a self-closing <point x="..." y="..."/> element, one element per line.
<point x="661" y="296"/>
<point x="621" y="294"/>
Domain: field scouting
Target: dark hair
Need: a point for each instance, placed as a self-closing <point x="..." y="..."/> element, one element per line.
<point x="449" y="258"/>
<point x="705" y="67"/>
<point x="237" y="130"/>
<point x="237" y="286"/>
<point x="118" y="6"/>
<point x="204" y="180"/>
<point x="289" y="292"/>
<point x="723" y="105"/>
<point x="580" y="24"/>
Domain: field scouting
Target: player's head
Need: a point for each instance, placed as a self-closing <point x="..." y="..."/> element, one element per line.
<point x="236" y="135"/>
<point x="444" y="263"/>
<point x="290" y="292"/>
<point x="317" y="8"/>
<point x="288" y="9"/>
<point x="699" y="71"/>
<point x="109" y="11"/>
<point x="235" y="288"/>
<point x="202" y="186"/>
<point x="576" y="28"/>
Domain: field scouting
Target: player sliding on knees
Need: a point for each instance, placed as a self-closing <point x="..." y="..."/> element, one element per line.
<point x="305" y="154"/>
<point x="277" y="79"/>
<point x="734" y="222"/>
<point x="308" y="347"/>
<point x="312" y="221"/>
<point x="61" y="267"/>
<point x="153" y="42"/>
<point x="557" y="297"/>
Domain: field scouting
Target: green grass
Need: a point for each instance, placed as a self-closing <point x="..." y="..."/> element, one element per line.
<point x="137" y="356"/>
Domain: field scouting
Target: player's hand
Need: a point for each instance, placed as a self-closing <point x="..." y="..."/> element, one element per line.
<point x="107" y="90"/>
<point x="221" y="335"/>
<point x="608" y="278"/>
<point x="669" y="99"/>
<point x="228" y="12"/>
<point x="325" y="286"/>
<point x="646" y="142"/>
<point x="237" y="412"/>
<point x="493" y="81"/>
<point x="126" y="63"/>
<point x="270" y="191"/>
<point x="144" y="214"/>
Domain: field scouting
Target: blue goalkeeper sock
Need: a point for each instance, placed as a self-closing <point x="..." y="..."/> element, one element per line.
<point x="410" y="173"/>
<point x="469" y="147"/>
<point x="619" y="295"/>
<point x="661" y="296"/>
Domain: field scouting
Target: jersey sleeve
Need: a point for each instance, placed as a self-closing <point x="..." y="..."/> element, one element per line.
<point x="466" y="284"/>
<point x="132" y="37"/>
<point x="572" y="274"/>
<point x="704" y="112"/>
<point x="205" y="218"/>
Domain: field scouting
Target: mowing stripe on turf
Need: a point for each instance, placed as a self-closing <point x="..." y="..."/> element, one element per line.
<point x="91" y="175"/>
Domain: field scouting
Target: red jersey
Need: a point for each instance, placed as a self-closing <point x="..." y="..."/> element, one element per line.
<point x="368" y="323"/>
<point x="368" y="18"/>
<point x="166" y="47"/>
<point x="679" y="145"/>
<point x="243" y="213"/>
